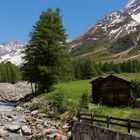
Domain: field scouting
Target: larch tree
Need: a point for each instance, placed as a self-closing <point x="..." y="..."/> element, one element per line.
<point x="46" y="56"/>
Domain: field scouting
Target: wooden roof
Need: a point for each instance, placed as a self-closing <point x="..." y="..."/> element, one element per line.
<point x="97" y="80"/>
<point x="119" y="77"/>
<point x="101" y="79"/>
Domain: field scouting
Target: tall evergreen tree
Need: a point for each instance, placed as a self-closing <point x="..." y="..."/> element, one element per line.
<point x="46" y="57"/>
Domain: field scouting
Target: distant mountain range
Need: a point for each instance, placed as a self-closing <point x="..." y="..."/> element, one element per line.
<point x="12" y="51"/>
<point x="116" y="37"/>
<point x="112" y="28"/>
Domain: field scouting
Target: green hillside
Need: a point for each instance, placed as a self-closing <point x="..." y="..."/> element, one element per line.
<point x="121" y="49"/>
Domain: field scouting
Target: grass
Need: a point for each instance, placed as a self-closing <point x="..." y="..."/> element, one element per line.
<point x="125" y="112"/>
<point x="73" y="91"/>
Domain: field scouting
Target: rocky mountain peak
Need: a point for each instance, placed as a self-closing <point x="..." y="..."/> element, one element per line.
<point x="133" y="8"/>
<point x="132" y="3"/>
<point x="112" y="26"/>
<point x="12" y="51"/>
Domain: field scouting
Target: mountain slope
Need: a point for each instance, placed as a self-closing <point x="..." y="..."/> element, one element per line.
<point x="12" y="51"/>
<point x="109" y="29"/>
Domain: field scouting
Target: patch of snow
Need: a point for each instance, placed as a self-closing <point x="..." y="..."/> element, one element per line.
<point x="132" y="26"/>
<point x="118" y="34"/>
<point x="114" y="31"/>
<point x="135" y="10"/>
<point x="12" y="51"/>
<point x="136" y="17"/>
<point x="95" y="38"/>
<point x="17" y="59"/>
<point x="68" y="40"/>
<point x="104" y="28"/>
<point x="130" y="2"/>
<point x="75" y="45"/>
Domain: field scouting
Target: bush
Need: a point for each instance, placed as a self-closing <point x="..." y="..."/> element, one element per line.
<point x="84" y="101"/>
<point x="35" y="106"/>
<point x="135" y="91"/>
<point x="58" y="101"/>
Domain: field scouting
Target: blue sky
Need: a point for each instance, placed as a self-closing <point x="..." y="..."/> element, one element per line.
<point x="18" y="16"/>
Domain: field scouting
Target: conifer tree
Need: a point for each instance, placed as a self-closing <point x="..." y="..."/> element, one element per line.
<point x="46" y="57"/>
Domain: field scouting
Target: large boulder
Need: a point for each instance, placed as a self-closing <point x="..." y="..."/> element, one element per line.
<point x="26" y="130"/>
<point x="13" y="128"/>
<point x="3" y="133"/>
<point x="35" y="112"/>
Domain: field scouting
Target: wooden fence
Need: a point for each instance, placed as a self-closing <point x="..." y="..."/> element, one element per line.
<point x="129" y="124"/>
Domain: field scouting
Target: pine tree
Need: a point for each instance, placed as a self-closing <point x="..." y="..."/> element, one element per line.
<point x="46" y="58"/>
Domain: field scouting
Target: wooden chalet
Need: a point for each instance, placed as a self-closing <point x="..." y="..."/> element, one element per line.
<point x="112" y="90"/>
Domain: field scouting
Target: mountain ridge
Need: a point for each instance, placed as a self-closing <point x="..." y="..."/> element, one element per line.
<point x="107" y="30"/>
<point x="12" y="51"/>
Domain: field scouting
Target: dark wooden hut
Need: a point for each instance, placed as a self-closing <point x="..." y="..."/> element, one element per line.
<point x="112" y="90"/>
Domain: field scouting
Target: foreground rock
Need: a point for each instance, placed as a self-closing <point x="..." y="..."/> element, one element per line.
<point x="26" y="130"/>
<point x="44" y="128"/>
<point x="12" y="128"/>
<point x="3" y="133"/>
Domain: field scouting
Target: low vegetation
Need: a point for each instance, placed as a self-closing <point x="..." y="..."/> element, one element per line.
<point x="72" y="92"/>
<point x="124" y="112"/>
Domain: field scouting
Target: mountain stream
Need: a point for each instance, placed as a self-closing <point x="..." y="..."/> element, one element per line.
<point x="10" y="120"/>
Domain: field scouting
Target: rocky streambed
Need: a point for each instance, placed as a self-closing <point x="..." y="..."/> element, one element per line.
<point x="10" y="123"/>
<point x="14" y="92"/>
<point x="19" y="123"/>
<point x="22" y="124"/>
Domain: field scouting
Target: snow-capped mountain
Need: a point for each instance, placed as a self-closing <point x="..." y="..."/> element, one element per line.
<point x="12" y="51"/>
<point x="133" y="8"/>
<point x="111" y="27"/>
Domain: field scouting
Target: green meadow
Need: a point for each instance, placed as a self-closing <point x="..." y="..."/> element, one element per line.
<point x="73" y="91"/>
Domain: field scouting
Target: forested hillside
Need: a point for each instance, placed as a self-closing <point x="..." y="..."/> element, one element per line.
<point x="9" y="73"/>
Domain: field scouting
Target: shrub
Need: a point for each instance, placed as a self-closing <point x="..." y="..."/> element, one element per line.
<point x="135" y="88"/>
<point x="35" y="106"/>
<point x="84" y="101"/>
<point x="58" y="101"/>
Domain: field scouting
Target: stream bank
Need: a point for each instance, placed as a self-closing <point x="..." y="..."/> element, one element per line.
<point x="19" y="123"/>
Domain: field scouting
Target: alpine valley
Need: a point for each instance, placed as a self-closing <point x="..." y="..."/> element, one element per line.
<point x="116" y="37"/>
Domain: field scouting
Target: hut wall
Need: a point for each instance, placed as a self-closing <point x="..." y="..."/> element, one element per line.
<point x="115" y="91"/>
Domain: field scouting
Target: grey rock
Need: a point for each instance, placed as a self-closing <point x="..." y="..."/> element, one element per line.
<point x="63" y="137"/>
<point x="26" y="130"/>
<point x="12" y="128"/>
<point x="19" y="109"/>
<point x="35" y="112"/>
<point x="69" y="134"/>
<point x="14" y="92"/>
<point x="3" y="133"/>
